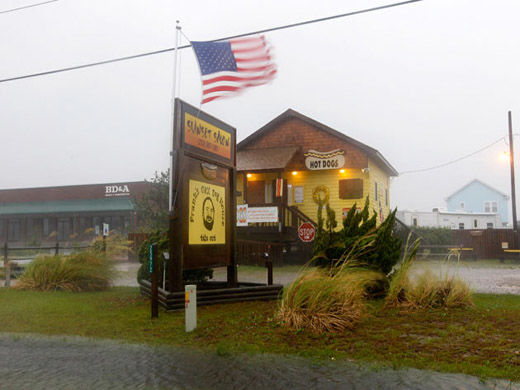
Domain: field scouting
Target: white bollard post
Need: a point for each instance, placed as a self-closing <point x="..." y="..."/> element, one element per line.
<point x="190" y="301"/>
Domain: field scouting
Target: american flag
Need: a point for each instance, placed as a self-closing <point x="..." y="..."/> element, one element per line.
<point x="228" y="67"/>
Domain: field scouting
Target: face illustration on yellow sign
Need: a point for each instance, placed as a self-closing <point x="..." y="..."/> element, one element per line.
<point x="207" y="215"/>
<point x="206" y="136"/>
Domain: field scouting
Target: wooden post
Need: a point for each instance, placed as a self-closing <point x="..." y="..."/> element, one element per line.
<point x="155" y="285"/>
<point x="232" y="279"/>
<point x="269" y="265"/>
<point x="7" y="268"/>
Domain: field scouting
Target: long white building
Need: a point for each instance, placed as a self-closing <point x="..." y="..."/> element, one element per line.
<point x="450" y="219"/>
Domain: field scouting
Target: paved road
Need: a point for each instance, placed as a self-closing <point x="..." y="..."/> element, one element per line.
<point x="36" y="363"/>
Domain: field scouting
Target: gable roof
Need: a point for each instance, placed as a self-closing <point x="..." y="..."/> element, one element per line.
<point x="290" y="113"/>
<point x="479" y="182"/>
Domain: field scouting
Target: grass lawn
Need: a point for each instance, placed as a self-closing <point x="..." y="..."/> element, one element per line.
<point x="484" y="341"/>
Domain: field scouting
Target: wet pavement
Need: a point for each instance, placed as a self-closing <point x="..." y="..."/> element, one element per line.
<point x="33" y="362"/>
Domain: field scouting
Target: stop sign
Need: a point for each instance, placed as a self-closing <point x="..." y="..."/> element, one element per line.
<point x="306" y="232"/>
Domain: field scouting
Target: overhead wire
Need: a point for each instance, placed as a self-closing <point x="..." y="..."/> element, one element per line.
<point x="151" y="53"/>
<point x="27" y="6"/>
<point x="503" y="138"/>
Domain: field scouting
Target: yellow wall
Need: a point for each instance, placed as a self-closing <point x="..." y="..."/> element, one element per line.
<point x="376" y="174"/>
<point x="330" y="178"/>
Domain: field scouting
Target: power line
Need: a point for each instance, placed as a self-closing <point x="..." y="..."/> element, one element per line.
<point x="27" y="6"/>
<point x="151" y="53"/>
<point x="454" y="161"/>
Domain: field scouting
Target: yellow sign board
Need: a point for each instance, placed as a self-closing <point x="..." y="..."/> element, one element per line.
<point x="207" y="214"/>
<point x="206" y="136"/>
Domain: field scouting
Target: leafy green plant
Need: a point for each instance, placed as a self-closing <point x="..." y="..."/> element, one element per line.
<point x="163" y="245"/>
<point x="382" y="249"/>
<point x="152" y="206"/>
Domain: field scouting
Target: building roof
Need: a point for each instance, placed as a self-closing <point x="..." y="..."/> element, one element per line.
<point x="290" y="113"/>
<point x="68" y="206"/>
<point x="479" y="182"/>
<point x="84" y="191"/>
<point x="265" y="159"/>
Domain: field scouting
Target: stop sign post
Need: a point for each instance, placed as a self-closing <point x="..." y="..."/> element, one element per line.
<point x="306" y="232"/>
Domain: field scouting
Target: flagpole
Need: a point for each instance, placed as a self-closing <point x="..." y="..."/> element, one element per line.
<point x="174" y="85"/>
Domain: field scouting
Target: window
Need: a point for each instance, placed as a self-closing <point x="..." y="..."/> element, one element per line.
<point x="63" y="229"/>
<point x="491" y="206"/>
<point x="351" y="189"/>
<point x="2" y="228"/>
<point x="375" y="190"/>
<point x="290" y="195"/>
<point x="475" y="223"/>
<point x="298" y="194"/>
<point x="489" y="225"/>
<point x="269" y="192"/>
<point x="386" y="196"/>
<point x="462" y="205"/>
<point x="414" y="221"/>
<point x="13" y="230"/>
<point x="461" y="225"/>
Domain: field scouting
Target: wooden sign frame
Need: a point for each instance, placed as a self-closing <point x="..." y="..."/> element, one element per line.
<point x="202" y="222"/>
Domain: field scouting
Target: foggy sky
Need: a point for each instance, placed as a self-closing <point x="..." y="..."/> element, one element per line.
<point x="423" y="83"/>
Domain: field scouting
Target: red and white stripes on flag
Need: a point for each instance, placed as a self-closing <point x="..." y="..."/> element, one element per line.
<point x="228" y="67"/>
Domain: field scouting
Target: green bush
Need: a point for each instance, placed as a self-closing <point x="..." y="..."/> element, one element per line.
<point x="381" y="249"/>
<point x="84" y="271"/>
<point x="163" y="245"/>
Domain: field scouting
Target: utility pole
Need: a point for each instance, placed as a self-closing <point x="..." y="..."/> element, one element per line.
<point x="512" y="164"/>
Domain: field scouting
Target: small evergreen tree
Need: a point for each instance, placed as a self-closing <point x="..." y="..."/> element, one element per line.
<point x="381" y="250"/>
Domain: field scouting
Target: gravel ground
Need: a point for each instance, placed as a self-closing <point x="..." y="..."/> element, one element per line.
<point x="482" y="276"/>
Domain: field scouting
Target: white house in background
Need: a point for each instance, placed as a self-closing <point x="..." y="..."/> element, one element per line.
<point x="450" y="219"/>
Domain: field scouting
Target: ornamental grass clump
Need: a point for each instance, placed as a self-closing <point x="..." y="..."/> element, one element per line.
<point x="427" y="290"/>
<point x="319" y="303"/>
<point x="85" y="271"/>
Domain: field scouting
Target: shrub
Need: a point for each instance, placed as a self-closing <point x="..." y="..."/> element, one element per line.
<point x="112" y="246"/>
<point x="382" y="249"/>
<point x="428" y="290"/>
<point x="320" y="303"/>
<point x="85" y="271"/>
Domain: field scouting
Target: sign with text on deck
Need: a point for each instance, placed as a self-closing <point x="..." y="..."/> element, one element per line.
<point x="242" y="215"/>
<point x="306" y="232"/>
<point x="262" y="214"/>
<point x="207" y="215"/>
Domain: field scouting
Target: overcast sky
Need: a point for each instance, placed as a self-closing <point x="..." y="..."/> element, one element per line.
<point x="423" y="83"/>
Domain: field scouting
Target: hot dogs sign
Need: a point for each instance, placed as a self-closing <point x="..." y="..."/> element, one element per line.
<point x="334" y="159"/>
